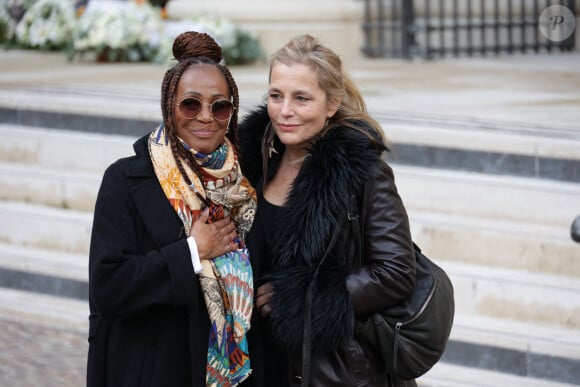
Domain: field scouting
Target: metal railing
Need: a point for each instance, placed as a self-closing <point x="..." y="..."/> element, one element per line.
<point x="438" y="28"/>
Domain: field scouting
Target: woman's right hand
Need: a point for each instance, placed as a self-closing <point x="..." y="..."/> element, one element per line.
<point x="213" y="239"/>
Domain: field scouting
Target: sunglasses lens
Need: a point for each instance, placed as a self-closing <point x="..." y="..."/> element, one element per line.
<point x="222" y="109"/>
<point x="190" y="107"/>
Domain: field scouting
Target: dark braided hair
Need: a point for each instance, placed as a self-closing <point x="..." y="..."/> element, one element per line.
<point x="189" y="49"/>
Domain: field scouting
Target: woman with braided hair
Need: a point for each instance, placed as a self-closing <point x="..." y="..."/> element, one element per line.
<point x="170" y="281"/>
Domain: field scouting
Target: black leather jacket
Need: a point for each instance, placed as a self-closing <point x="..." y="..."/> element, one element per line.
<point x="342" y="162"/>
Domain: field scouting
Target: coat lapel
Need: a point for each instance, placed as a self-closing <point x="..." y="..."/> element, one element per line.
<point x="161" y="221"/>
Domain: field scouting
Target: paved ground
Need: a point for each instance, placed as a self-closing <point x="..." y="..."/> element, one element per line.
<point x="35" y="355"/>
<point x="43" y="340"/>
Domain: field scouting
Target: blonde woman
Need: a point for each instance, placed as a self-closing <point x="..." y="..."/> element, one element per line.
<point x="312" y="152"/>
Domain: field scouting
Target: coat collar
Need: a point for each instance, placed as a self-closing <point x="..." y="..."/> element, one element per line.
<point x="142" y="167"/>
<point x="339" y="164"/>
<point x="161" y="220"/>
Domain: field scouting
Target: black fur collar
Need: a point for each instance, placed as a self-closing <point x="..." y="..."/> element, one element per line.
<point x="339" y="163"/>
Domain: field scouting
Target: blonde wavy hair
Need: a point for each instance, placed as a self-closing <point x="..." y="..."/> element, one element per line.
<point x="336" y="83"/>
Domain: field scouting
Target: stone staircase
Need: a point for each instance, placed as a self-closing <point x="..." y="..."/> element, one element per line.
<point x="491" y="201"/>
<point x="505" y="246"/>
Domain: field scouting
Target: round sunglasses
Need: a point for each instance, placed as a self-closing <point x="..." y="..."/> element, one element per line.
<point x="221" y="109"/>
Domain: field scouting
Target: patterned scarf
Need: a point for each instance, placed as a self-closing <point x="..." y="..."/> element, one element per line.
<point x="226" y="281"/>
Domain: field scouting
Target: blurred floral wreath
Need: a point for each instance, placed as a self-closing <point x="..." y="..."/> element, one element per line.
<point x="114" y="31"/>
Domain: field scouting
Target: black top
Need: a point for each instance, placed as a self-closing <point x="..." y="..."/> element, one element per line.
<point x="264" y="229"/>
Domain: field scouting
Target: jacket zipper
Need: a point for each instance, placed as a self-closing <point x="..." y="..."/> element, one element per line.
<point x="400" y="324"/>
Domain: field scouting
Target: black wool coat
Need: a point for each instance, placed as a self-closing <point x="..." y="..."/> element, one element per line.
<point x="148" y="325"/>
<point x="342" y="162"/>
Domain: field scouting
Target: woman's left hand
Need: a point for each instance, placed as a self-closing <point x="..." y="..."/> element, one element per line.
<point x="263" y="296"/>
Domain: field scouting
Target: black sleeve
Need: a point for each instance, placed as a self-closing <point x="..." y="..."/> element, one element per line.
<point x="127" y="272"/>
<point x="387" y="274"/>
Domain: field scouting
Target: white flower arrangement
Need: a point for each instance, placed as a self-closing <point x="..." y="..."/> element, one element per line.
<point x="221" y="30"/>
<point x="119" y="31"/>
<point x="47" y="24"/>
<point x="238" y="46"/>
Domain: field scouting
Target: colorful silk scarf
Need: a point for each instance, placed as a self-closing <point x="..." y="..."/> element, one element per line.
<point x="226" y="281"/>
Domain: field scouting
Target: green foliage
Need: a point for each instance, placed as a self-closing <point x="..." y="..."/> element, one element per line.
<point x="246" y="49"/>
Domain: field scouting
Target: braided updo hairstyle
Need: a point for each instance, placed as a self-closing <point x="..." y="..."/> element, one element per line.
<point x="189" y="49"/>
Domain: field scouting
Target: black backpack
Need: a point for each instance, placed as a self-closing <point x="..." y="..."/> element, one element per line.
<point x="410" y="337"/>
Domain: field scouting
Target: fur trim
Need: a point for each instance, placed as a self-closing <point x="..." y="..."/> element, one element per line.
<point x="340" y="162"/>
<point x="250" y="132"/>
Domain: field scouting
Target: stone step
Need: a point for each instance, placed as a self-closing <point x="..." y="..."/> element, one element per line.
<point x="66" y="150"/>
<point x="43" y="271"/>
<point x="46" y="310"/>
<point x="497" y="147"/>
<point x="445" y="374"/>
<point x="59" y="188"/>
<point x="445" y="140"/>
<point x="541" y="248"/>
<point x="422" y="189"/>
<point x="525" y="220"/>
<point x="483" y="135"/>
<point x="51" y="263"/>
<point x="533" y="350"/>
<point x="58" y="248"/>
<point x="448" y="237"/>
<point x="516" y="295"/>
<point x="445" y="191"/>
<point x="37" y="226"/>
<point x="481" y="351"/>
<point x="517" y="199"/>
